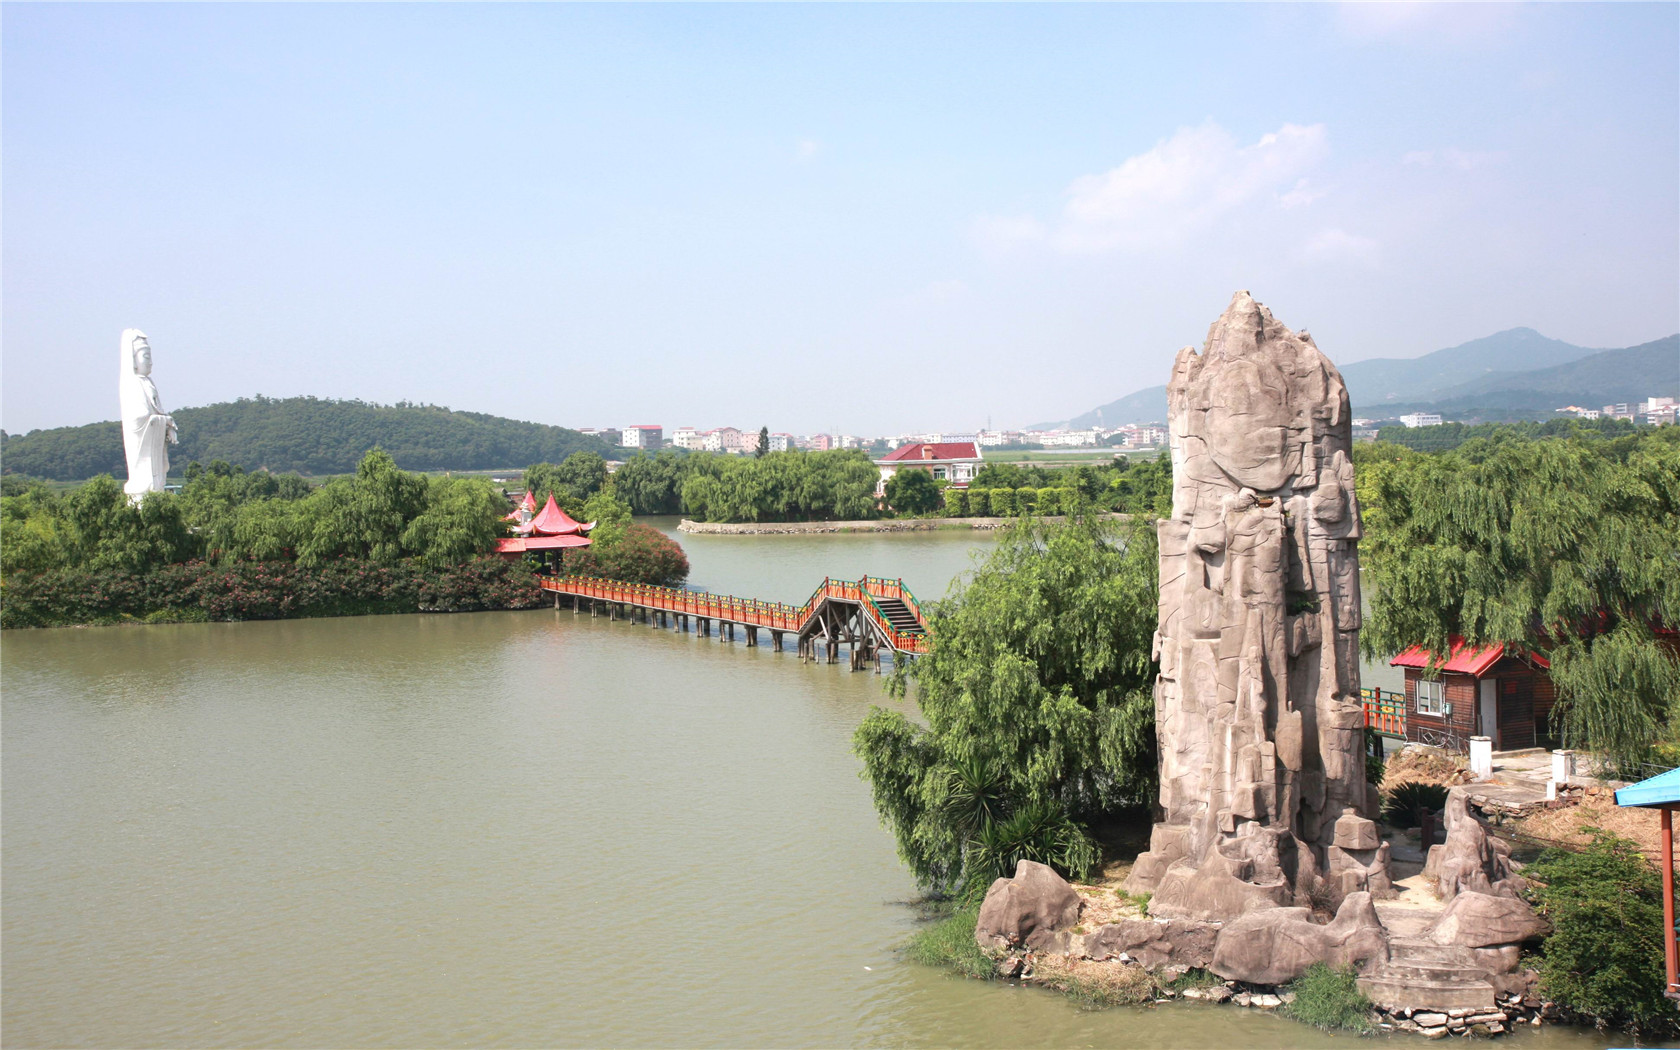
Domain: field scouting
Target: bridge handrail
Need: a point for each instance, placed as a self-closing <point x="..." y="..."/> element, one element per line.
<point x="751" y="611"/>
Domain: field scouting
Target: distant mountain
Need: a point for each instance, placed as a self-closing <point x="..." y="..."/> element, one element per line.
<point x="306" y="434"/>
<point x="1517" y="373"/>
<point x="1607" y="377"/>
<point x="1389" y="379"/>
<point x="1146" y="406"/>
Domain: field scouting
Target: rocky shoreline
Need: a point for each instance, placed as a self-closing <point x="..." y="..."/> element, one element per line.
<point x="1513" y="1009"/>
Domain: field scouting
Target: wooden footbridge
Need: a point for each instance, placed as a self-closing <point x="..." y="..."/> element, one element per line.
<point x="869" y="617"/>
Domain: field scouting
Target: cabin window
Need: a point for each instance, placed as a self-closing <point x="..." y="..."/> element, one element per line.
<point x="1432" y="698"/>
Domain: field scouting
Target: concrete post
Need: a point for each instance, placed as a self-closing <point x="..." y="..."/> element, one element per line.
<point x="1563" y="767"/>
<point x="1481" y="757"/>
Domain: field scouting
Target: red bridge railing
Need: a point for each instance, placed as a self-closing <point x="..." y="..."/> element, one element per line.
<point x="1385" y="712"/>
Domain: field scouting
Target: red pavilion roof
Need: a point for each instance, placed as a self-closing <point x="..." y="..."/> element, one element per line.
<point x="553" y="521"/>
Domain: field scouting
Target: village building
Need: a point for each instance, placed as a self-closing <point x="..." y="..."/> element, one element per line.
<point x="955" y="462"/>
<point x="726" y="439"/>
<point x="686" y="437"/>
<point x="644" y="437"/>
<point x="1488" y="691"/>
<point x="783" y="442"/>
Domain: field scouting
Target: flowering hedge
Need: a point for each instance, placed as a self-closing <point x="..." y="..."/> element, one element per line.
<point x="198" y="590"/>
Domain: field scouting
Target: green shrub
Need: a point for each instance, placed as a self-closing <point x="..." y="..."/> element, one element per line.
<point x="1406" y="804"/>
<point x="1604" y="958"/>
<point x="1049" y="501"/>
<point x="950" y="943"/>
<point x="1026" y="500"/>
<point x="1329" y="999"/>
<point x="1042" y="832"/>
<point x="956" y="503"/>
<point x="1002" y="502"/>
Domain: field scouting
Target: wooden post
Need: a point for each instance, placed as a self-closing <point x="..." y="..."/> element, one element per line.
<point x="1669" y="951"/>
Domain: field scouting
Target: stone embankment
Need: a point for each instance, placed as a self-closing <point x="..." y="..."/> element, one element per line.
<point x="793" y="528"/>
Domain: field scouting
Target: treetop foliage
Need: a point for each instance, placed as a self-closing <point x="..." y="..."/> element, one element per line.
<point x="1448" y="436"/>
<point x="1038" y="716"/>
<point x="309" y="435"/>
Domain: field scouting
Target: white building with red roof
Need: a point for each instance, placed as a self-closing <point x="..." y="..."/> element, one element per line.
<point x="955" y="462"/>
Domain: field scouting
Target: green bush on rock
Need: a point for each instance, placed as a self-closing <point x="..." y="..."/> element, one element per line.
<point x="1329" y="999"/>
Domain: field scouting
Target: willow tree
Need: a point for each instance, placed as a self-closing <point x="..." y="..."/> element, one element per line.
<point x="1037" y="718"/>
<point x="1565" y="547"/>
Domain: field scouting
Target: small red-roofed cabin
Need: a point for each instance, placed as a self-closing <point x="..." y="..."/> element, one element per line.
<point x="955" y="462"/>
<point x="1486" y="691"/>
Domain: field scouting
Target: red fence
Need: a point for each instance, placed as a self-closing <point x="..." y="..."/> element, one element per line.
<point x="777" y="616"/>
<point x="1385" y="712"/>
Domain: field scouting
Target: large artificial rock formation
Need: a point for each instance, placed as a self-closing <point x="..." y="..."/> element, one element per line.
<point x="147" y="430"/>
<point x="1257" y="707"/>
<point x="1027" y="910"/>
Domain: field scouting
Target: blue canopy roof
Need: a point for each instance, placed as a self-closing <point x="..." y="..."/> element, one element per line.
<point x="1661" y="790"/>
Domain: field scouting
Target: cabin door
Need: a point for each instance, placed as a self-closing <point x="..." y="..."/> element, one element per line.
<point x="1489" y="703"/>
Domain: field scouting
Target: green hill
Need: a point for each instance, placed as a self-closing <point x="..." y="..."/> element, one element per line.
<point x="306" y="434"/>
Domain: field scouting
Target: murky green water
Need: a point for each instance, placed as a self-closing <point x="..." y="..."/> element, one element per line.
<point x="496" y="829"/>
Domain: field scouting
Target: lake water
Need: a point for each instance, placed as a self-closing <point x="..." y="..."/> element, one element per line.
<point x="492" y="829"/>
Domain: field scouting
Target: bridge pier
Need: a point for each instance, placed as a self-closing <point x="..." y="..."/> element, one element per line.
<point x="752" y="637"/>
<point x="775" y="641"/>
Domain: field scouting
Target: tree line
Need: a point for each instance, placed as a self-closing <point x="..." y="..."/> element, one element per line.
<point x="62" y="551"/>
<point x="308" y="435"/>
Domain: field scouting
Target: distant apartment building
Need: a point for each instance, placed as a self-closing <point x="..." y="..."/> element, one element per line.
<point x="956" y="462"/>
<point x="611" y="435"/>
<point x="643" y="437"/>
<point x="1659" y="410"/>
<point x="1068" y="438"/>
<point x="1620" y="411"/>
<point x="1579" y="412"/>
<point x="686" y="437"/>
<point x="994" y="438"/>
<point x="783" y="442"/>
<point x="1421" y="419"/>
<point x="850" y="441"/>
<point x="728" y="439"/>
<point x="819" y="442"/>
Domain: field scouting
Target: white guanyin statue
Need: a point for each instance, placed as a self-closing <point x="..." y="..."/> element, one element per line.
<point x="147" y="430"/>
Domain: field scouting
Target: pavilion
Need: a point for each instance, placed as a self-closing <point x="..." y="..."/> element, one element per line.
<point x="1662" y="792"/>
<point x="550" y="530"/>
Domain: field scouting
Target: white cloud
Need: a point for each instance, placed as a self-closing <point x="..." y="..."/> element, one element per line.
<point x="1337" y="245"/>
<point x="806" y="150"/>
<point x="1170" y="193"/>
<point x="1302" y="195"/>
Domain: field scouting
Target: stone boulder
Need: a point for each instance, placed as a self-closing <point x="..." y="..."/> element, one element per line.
<point x="1275" y="945"/>
<point x="1220" y="889"/>
<point x="1470" y="859"/>
<point x="1482" y="920"/>
<point x="1027" y="909"/>
<point x="1152" y="943"/>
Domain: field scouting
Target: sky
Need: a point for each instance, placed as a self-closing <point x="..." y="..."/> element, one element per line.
<point x="870" y="219"/>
